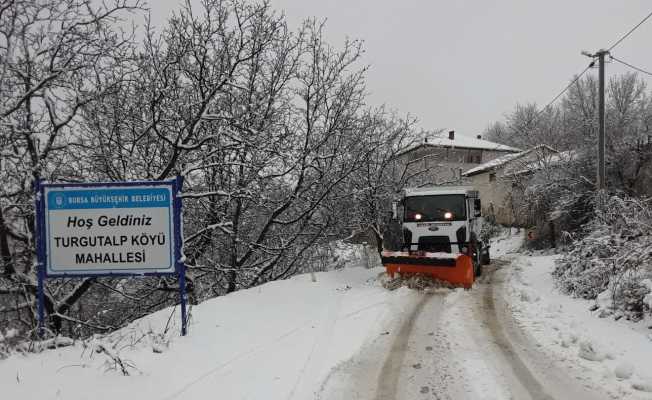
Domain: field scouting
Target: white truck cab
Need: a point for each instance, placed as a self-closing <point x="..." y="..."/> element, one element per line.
<point x="443" y="219"/>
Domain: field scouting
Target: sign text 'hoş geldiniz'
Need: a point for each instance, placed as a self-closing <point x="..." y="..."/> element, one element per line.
<point x="93" y="230"/>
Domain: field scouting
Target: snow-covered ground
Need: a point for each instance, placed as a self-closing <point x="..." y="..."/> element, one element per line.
<point x="276" y="341"/>
<point x="612" y="356"/>
<point x="341" y="335"/>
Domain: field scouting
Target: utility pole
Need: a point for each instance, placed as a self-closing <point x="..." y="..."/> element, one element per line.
<point x="601" y="145"/>
<point x="600" y="54"/>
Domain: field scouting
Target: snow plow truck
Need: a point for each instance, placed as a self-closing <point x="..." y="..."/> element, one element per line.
<point x="439" y="235"/>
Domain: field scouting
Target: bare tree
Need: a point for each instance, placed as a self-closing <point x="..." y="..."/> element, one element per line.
<point x="290" y="117"/>
<point x="265" y="125"/>
<point x="384" y="174"/>
<point x="628" y="145"/>
<point x="56" y="57"/>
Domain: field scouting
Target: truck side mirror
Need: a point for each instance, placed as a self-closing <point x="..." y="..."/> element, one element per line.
<point x="394" y="210"/>
<point x="477" y="208"/>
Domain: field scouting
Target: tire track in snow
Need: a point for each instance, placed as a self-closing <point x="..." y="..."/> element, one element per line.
<point x="319" y="348"/>
<point x="311" y="369"/>
<point x="519" y="369"/>
<point x="540" y="376"/>
<point x="391" y="371"/>
<point x="252" y="350"/>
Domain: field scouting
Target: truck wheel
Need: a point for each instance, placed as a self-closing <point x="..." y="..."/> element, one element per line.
<point x="478" y="260"/>
<point x="486" y="259"/>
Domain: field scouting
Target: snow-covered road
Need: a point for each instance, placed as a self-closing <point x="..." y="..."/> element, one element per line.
<point x="342" y="335"/>
<point x="454" y="345"/>
<point x="380" y="369"/>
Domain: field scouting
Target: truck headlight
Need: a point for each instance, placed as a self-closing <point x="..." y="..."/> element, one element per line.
<point x="448" y="215"/>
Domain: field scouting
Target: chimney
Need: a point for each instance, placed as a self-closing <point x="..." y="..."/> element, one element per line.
<point x="451" y="135"/>
<point x="479" y="136"/>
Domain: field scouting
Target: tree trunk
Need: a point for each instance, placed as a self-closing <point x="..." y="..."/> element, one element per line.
<point x="5" y="253"/>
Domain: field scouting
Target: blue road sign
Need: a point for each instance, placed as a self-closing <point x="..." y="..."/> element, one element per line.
<point x="110" y="229"/>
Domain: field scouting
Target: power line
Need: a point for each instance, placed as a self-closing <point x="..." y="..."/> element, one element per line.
<point x="540" y="113"/>
<point x="577" y="78"/>
<point x="631" y="66"/>
<point x="600" y="55"/>
<point x="593" y="63"/>
<point x="630" y="32"/>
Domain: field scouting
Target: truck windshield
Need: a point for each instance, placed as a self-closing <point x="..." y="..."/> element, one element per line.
<point x="435" y="208"/>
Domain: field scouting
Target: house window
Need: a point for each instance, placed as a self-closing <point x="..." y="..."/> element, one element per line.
<point x="473" y="157"/>
<point x="492" y="177"/>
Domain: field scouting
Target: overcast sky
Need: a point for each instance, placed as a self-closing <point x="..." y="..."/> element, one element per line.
<point x="462" y="64"/>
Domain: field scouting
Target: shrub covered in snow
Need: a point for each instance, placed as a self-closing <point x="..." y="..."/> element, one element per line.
<point x="338" y="254"/>
<point x="613" y="257"/>
<point x="556" y="199"/>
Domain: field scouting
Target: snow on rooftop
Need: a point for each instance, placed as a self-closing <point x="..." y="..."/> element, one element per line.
<point x="462" y="142"/>
<point x="468" y="142"/>
<point x="552" y="160"/>
<point x="500" y="161"/>
<point x="495" y="163"/>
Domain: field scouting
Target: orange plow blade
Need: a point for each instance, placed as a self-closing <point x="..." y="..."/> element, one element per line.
<point x="453" y="268"/>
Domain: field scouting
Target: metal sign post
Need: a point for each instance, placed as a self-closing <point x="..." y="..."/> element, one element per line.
<point x="109" y="229"/>
<point x="38" y="221"/>
<point x="181" y="265"/>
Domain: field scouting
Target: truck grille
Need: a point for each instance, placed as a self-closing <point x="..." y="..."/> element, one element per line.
<point x="435" y="244"/>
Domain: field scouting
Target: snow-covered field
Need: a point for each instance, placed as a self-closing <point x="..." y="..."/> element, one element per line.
<point x="340" y="334"/>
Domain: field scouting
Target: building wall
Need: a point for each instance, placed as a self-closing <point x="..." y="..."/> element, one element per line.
<point x="643" y="184"/>
<point x="495" y="193"/>
<point x="445" y="165"/>
<point x="501" y="195"/>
